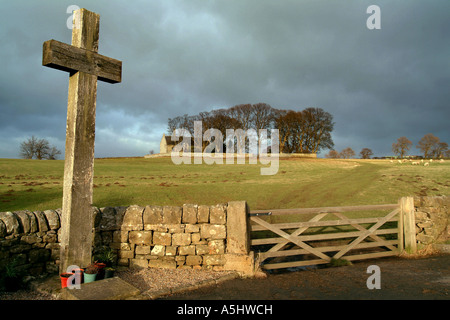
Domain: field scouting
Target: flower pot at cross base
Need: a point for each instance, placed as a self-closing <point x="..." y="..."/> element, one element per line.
<point x="64" y="277"/>
<point x="89" y="277"/>
<point x="101" y="270"/>
<point x="109" y="273"/>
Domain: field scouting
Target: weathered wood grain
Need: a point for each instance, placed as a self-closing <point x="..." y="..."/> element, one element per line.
<point x="64" y="57"/>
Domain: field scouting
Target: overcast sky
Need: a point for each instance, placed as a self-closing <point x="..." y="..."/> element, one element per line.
<point x="188" y="56"/>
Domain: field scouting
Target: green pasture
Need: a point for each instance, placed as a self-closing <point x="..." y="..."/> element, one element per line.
<point x="37" y="185"/>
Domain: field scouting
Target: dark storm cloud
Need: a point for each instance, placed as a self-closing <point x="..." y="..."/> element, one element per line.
<point x="195" y="55"/>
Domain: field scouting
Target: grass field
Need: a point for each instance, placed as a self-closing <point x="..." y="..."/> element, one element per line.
<point x="37" y="185"/>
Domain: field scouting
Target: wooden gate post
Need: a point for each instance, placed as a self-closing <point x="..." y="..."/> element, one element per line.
<point x="409" y="224"/>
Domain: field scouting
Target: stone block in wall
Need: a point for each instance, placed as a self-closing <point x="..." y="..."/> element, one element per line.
<point x="181" y="239"/>
<point x="38" y="255"/>
<point x="196" y="238"/>
<point x="140" y="237"/>
<point x="123" y="262"/>
<point x="108" y="219"/>
<point x="51" y="267"/>
<point x="193" y="260"/>
<point x="132" y="219"/>
<point x="153" y="215"/>
<point x="214" y="260"/>
<point x="216" y="246"/>
<point x="189" y="213"/>
<point x="172" y="215"/>
<point x="171" y="251"/>
<point x="138" y="263"/>
<point x="142" y="250"/>
<point x="107" y="237"/>
<point x="203" y="214"/>
<point x="30" y="238"/>
<point x="192" y="228"/>
<point x="20" y="248"/>
<point x="50" y="237"/>
<point x="201" y="249"/>
<point x="120" y="214"/>
<point x="156" y="227"/>
<point x="120" y="236"/>
<point x="24" y="221"/>
<point x="186" y="250"/>
<point x="52" y="219"/>
<point x="125" y="246"/>
<point x="41" y="220"/>
<point x="218" y="214"/>
<point x="165" y="264"/>
<point x="213" y="231"/>
<point x="126" y="254"/>
<point x="3" y="231"/>
<point x="34" y="227"/>
<point x="175" y="228"/>
<point x="158" y="250"/>
<point x="162" y="238"/>
<point x="11" y="222"/>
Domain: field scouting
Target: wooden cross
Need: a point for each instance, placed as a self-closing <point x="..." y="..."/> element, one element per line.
<point x="85" y="66"/>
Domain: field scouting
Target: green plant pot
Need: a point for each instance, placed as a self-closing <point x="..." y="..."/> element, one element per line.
<point x="89" y="277"/>
<point x="109" y="273"/>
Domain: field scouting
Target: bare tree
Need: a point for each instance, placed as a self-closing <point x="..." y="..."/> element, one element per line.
<point x="347" y="153"/>
<point x="333" y="154"/>
<point x="440" y="149"/>
<point x="38" y="148"/>
<point x="427" y="144"/>
<point x="27" y="148"/>
<point x="366" y="153"/>
<point x="401" y="147"/>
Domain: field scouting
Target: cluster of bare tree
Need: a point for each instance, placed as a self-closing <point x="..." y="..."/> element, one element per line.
<point x="348" y="153"/>
<point x="307" y="131"/>
<point x="430" y="145"/>
<point x="38" y="149"/>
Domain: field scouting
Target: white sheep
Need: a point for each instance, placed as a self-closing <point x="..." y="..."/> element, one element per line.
<point x="415" y="163"/>
<point x="442" y="160"/>
<point x="426" y="164"/>
<point x="399" y="161"/>
<point x="431" y="160"/>
<point x="391" y="161"/>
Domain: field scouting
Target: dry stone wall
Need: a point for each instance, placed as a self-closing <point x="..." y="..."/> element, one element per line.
<point x="191" y="236"/>
<point x="432" y="218"/>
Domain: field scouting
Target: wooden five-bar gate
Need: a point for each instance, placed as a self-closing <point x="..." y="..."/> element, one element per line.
<point x="285" y="238"/>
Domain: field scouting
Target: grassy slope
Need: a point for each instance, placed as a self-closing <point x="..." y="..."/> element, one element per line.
<point x="37" y="185"/>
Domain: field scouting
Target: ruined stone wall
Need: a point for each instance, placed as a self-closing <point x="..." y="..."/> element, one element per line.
<point x="432" y="218"/>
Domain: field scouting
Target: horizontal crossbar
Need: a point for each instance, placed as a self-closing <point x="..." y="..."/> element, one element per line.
<point x="62" y="56"/>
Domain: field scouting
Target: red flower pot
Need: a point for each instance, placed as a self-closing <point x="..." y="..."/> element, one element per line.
<point x="64" y="277"/>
